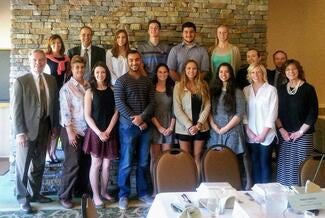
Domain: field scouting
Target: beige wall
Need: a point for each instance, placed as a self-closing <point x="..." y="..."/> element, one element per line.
<point x="5" y="24"/>
<point x="298" y="27"/>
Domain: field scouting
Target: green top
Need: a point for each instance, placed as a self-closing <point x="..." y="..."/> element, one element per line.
<point x="217" y="59"/>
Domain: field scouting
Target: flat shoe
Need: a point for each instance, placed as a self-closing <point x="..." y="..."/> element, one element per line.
<point x="99" y="206"/>
<point x="111" y="199"/>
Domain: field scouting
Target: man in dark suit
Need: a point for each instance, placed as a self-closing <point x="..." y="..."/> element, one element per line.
<point x="35" y="117"/>
<point x="91" y="53"/>
<point x="277" y="76"/>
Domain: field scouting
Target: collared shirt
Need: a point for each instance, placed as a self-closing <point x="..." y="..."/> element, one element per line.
<point x="117" y="66"/>
<point x="180" y="53"/>
<point x="262" y="110"/>
<point x="72" y="105"/>
<point x="152" y="55"/>
<point x="35" y="77"/>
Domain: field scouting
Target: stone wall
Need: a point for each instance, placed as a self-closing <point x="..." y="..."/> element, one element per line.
<point x="33" y="21"/>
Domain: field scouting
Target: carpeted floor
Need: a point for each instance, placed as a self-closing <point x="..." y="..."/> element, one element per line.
<point x="4" y="165"/>
<point x="112" y="212"/>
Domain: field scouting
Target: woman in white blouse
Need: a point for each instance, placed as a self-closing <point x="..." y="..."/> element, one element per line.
<point x="262" y="111"/>
<point x="116" y="57"/>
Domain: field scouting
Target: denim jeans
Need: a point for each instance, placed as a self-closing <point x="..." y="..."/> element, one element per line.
<point x="132" y="138"/>
<point x="261" y="156"/>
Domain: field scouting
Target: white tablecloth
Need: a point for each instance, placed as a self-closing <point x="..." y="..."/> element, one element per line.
<point x="243" y="208"/>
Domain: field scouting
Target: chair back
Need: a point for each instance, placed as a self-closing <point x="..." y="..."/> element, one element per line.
<point x="175" y="171"/>
<point x="220" y="164"/>
<point x="88" y="209"/>
<point x="307" y="170"/>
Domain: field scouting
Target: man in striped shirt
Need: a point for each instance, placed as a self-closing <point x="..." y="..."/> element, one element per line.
<point x="134" y="98"/>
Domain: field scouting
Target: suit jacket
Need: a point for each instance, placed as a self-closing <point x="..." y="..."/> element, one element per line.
<point x="27" y="107"/>
<point x="97" y="54"/>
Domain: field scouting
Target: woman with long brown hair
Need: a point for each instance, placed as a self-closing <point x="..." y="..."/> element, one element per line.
<point x="192" y="105"/>
<point x="116" y="57"/>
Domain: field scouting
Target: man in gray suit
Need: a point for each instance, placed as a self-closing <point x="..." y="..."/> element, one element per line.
<point x="35" y="117"/>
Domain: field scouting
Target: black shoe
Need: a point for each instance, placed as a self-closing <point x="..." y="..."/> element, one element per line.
<point x="66" y="203"/>
<point x="41" y="199"/>
<point x="26" y="208"/>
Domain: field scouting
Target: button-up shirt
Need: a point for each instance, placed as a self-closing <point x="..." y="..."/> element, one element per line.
<point x="72" y="105"/>
<point x="262" y="111"/>
<point x="180" y="53"/>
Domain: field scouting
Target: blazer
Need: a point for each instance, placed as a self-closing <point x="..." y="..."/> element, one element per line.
<point x="183" y="111"/>
<point x="97" y="54"/>
<point x="27" y="107"/>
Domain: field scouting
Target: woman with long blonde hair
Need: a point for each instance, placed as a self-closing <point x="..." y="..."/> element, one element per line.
<point x="191" y="102"/>
<point x="223" y="51"/>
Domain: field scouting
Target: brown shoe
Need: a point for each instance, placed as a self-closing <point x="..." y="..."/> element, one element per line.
<point x="66" y="203"/>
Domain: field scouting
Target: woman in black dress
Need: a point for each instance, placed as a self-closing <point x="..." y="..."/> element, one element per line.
<point x="100" y="139"/>
<point x="298" y="111"/>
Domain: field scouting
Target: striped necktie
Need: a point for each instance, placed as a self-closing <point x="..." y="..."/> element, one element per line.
<point x="43" y="99"/>
<point x="87" y="67"/>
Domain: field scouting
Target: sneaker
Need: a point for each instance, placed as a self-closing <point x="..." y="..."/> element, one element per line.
<point x="146" y="199"/>
<point x="123" y="203"/>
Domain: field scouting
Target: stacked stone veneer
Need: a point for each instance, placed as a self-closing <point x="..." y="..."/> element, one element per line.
<point x="33" y="21"/>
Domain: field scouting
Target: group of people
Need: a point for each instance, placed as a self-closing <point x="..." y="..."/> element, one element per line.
<point x="143" y="101"/>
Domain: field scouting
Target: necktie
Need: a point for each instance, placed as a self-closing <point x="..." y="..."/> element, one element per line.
<point x="87" y="67"/>
<point x="43" y="99"/>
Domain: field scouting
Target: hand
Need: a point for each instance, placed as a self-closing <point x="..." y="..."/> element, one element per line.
<point x="102" y="136"/>
<point x="162" y="130"/>
<point x="137" y="120"/>
<point x="222" y="130"/>
<point x="250" y="134"/>
<point x="193" y="130"/>
<point x="72" y="136"/>
<point x="296" y="135"/>
<point x="284" y="134"/>
<point x="168" y="132"/>
<point x="259" y="138"/>
<point x="22" y="140"/>
<point x="54" y="133"/>
<point x="143" y="126"/>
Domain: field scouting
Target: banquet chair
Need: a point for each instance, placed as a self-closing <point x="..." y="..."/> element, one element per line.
<point x="307" y="170"/>
<point x="175" y="171"/>
<point x="220" y="164"/>
<point x="88" y="209"/>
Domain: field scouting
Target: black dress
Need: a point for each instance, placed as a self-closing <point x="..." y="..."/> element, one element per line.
<point x="102" y="111"/>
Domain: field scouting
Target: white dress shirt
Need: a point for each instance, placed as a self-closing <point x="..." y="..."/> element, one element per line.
<point x="262" y="111"/>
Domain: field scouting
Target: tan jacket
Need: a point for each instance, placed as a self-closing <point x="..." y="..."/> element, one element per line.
<point x="183" y="112"/>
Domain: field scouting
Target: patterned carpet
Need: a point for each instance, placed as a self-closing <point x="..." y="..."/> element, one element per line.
<point x="114" y="212"/>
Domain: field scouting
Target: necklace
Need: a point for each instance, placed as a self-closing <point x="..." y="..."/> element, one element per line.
<point x="294" y="90"/>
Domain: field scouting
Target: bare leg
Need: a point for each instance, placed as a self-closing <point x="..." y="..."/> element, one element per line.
<point x="166" y="147"/>
<point x="94" y="178"/>
<point x="155" y="151"/>
<point x="186" y="146"/>
<point x="104" y="179"/>
<point x="198" y="147"/>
